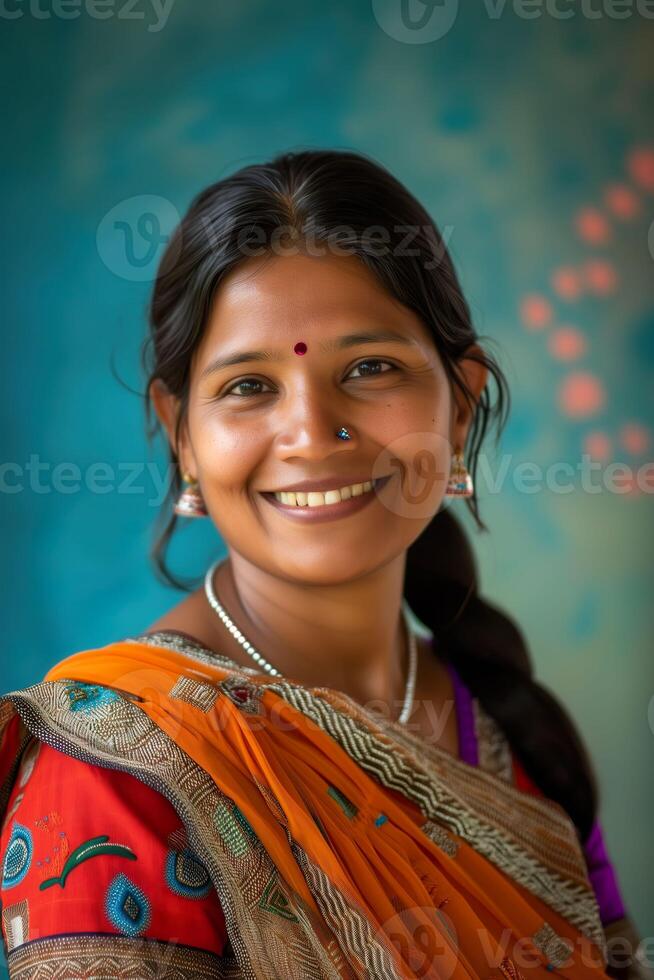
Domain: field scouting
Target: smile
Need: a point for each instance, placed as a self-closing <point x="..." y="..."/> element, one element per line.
<point x="326" y="504"/>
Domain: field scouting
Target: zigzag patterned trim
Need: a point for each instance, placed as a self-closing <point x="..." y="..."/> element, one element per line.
<point x="380" y="756"/>
<point x="352" y="928"/>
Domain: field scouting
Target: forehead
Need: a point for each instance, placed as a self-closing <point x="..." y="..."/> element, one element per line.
<point x="301" y="296"/>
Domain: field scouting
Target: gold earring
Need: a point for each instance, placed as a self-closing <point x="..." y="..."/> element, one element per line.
<point x="460" y="481"/>
<point x="190" y="502"/>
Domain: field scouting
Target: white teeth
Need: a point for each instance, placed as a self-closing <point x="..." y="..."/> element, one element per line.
<point x="318" y="499"/>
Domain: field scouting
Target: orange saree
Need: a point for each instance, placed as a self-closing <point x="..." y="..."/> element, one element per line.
<point x="339" y="845"/>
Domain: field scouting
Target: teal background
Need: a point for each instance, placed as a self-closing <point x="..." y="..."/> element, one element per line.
<point x="505" y="128"/>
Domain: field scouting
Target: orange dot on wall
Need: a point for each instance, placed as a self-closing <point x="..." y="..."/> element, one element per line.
<point x="567" y="343"/>
<point x="566" y="283"/>
<point x="598" y="445"/>
<point x="592" y="226"/>
<point x="640" y="164"/>
<point x="600" y="276"/>
<point x="621" y="201"/>
<point x="635" y="438"/>
<point x="536" y="312"/>
<point x="581" y="395"/>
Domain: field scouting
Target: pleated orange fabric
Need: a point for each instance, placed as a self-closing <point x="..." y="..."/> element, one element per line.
<point x="436" y="906"/>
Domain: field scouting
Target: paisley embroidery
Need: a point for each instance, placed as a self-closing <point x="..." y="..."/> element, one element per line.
<point x="127" y="907"/>
<point x="186" y="875"/>
<point x="18" y="856"/>
<point x="90" y="848"/>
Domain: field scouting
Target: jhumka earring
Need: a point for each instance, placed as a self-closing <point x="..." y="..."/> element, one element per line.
<point x="460" y="481"/>
<point x="190" y="502"/>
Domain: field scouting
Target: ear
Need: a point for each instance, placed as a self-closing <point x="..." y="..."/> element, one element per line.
<point x="475" y="376"/>
<point x="167" y="407"/>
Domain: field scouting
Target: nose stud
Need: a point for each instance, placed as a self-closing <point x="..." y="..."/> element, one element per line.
<point x="343" y="433"/>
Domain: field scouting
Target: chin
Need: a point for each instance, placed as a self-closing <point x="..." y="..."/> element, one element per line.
<point x="329" y="566"/>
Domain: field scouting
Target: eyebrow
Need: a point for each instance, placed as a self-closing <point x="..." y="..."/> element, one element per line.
<point x="341" y="343"/>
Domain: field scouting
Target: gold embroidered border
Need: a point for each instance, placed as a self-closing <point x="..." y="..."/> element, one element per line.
<point x="104" y="957"/>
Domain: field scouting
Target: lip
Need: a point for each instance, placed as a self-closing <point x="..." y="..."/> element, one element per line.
<point x="328" y="483"/>
<point x="328" y="512"/>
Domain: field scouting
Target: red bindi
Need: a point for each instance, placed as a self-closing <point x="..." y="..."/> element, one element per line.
<point x="300" y="347"/>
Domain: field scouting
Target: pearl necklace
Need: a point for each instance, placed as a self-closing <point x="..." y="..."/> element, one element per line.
<point x="259" y="659"/>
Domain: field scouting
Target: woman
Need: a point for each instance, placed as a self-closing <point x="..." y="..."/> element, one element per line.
<point x="331" y="759"/>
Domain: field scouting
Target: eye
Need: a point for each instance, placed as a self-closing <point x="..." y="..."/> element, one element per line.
<point x="250" y="386"/>
<point x="371" y="367"/>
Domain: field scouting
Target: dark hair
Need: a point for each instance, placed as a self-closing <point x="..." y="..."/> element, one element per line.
<point x="344" y="200"/>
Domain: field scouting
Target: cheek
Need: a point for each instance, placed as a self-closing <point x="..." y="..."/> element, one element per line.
<point x="226" y="454"/>
<point x="424" y="410"/>
<point x="416" y="450"/>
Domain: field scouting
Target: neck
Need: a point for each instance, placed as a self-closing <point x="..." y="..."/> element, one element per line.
<point x="349" y="637"/>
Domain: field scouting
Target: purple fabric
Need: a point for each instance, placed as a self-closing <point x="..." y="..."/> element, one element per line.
<point x="468" y="750"/>
<point x="603" y="877"/>
<point x="600" y="870"/>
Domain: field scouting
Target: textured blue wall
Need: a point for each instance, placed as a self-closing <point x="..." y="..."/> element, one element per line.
<point x="531" y="142"/>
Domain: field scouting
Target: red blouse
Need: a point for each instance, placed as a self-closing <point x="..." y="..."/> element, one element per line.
<point x="93" y="850"/>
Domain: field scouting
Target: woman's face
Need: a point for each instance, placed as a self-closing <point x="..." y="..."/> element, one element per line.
<point x="267" y="421"/>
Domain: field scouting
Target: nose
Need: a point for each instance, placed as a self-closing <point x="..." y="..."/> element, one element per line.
<point x="307" y="427"/>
